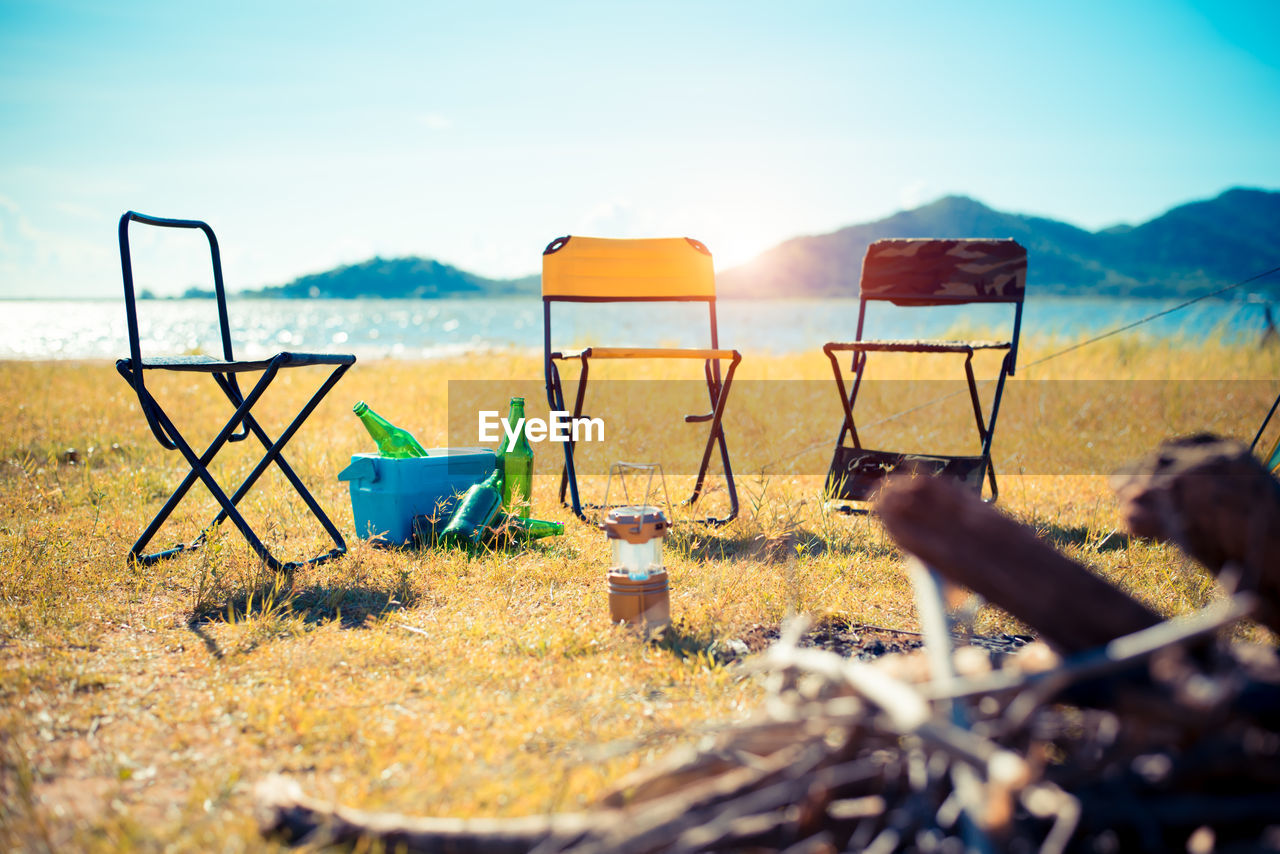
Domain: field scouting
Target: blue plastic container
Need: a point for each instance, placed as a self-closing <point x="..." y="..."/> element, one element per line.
<point x="387" y="494"/>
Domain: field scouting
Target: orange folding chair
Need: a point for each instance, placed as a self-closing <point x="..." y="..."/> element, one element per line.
<point x="600" y="270"/>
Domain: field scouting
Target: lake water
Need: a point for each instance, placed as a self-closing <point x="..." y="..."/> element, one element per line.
<point x="412" y="329"/>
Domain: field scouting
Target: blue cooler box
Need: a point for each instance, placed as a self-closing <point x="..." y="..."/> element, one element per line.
<point x="387" y="494"/>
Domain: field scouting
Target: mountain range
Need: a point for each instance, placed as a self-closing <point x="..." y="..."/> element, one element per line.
<point x="401" y="278"/>
<point x="1189" y="250"/>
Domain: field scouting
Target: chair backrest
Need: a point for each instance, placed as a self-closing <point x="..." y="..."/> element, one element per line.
<point x="126" y="269"/>
<point x="944" y="272"/>
<point x="598" y="269"/>
<point x="131" y="310"/>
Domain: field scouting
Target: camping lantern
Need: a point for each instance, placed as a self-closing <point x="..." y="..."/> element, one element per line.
<point x="639" y="591"/>
<point x="635" y="537"/>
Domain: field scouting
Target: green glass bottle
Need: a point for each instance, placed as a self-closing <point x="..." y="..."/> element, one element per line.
<point x="521" y="529"/>
<point x="392" y="440"/>
<point x="477" y="509"/>
<point x="515" y="461"/>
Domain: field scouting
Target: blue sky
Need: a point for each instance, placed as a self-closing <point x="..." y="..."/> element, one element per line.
<point x="311" y="134"/>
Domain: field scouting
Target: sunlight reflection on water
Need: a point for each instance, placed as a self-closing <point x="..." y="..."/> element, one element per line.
<point x="95" y="329"/>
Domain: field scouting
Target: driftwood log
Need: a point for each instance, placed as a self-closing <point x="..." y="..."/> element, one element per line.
<point x="1213" y="499"/>
<point x="976" y="546"/>
<point x="878" y="757"/>
<point x="286" y="813"/>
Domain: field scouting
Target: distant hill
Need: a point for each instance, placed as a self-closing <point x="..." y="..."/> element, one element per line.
<point x="400" y="278"/>
<point x="1193" y="248"/>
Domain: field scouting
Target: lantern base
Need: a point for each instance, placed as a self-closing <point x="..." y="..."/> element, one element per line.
<point x="643" y="602"/>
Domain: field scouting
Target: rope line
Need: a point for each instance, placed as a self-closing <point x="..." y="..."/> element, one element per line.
<point x="1116" y="331"/>
<point x="1152" y="317"/>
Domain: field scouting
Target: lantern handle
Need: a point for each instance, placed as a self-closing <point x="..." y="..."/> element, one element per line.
<point x="620" y="467"/>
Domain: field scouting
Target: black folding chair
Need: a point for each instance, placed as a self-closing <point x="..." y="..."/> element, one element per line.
<point x="604" y="270"/>
<point x="239" y="427"/>
<point x="927" y="273"/>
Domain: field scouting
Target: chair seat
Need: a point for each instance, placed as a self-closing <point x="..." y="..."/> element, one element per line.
<point x="856" y="474"/>
<point x="646" y="353"/>
<point x="213" y="365"/>
<point x="920" y="346"/>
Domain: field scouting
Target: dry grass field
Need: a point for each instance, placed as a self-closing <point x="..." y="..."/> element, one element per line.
<point x="139" y="705"/>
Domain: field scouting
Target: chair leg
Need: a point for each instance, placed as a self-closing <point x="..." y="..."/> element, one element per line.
<point x="728" y="479"/>
<point x="199" y="466"/>
<point x="986" y="429"/>
<point x="847" y="398"/>
<point x="568" y="477"/>
<point x="1253" y="446"/>
<point x="273" y="454"/>
<point x="136" y="552"/>
<point x="199" y="471"/>
<point x="555" y="402"/>
<point x="719" y="397"/>
<point x="713" y="393"/>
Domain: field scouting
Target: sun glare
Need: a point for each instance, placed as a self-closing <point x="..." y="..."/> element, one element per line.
<point x="729" y="252"/>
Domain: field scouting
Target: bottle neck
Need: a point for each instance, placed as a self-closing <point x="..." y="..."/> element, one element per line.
<point x="373" y="419"/>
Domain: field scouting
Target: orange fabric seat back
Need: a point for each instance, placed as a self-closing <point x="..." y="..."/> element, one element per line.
<point x="607" y="269"/>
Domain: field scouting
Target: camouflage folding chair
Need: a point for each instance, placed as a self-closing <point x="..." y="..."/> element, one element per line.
<point x="927" y="273"/>
<point x="600" y="270"/>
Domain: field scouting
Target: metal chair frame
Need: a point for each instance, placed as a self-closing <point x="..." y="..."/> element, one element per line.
<point x="240" y="426"/>
<point x="717" y="386"/>
<point x="857" y="484"/>
<point x="1272" y="457"/>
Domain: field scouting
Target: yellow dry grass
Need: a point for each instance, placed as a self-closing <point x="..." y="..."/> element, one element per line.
<point x="138" y="705"/>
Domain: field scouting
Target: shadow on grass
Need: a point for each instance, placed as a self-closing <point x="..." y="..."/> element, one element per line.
<point x="1065" y="536"/>
<point x="781" y="546"/>
<point x="276" y="609"/>
<point x="278" y="606"/>
<point x="685" y="640"/>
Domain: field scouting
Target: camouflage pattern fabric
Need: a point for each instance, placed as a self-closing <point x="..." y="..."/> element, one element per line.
<point x="919" y="345"/>
<point x="937" y="272"/>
